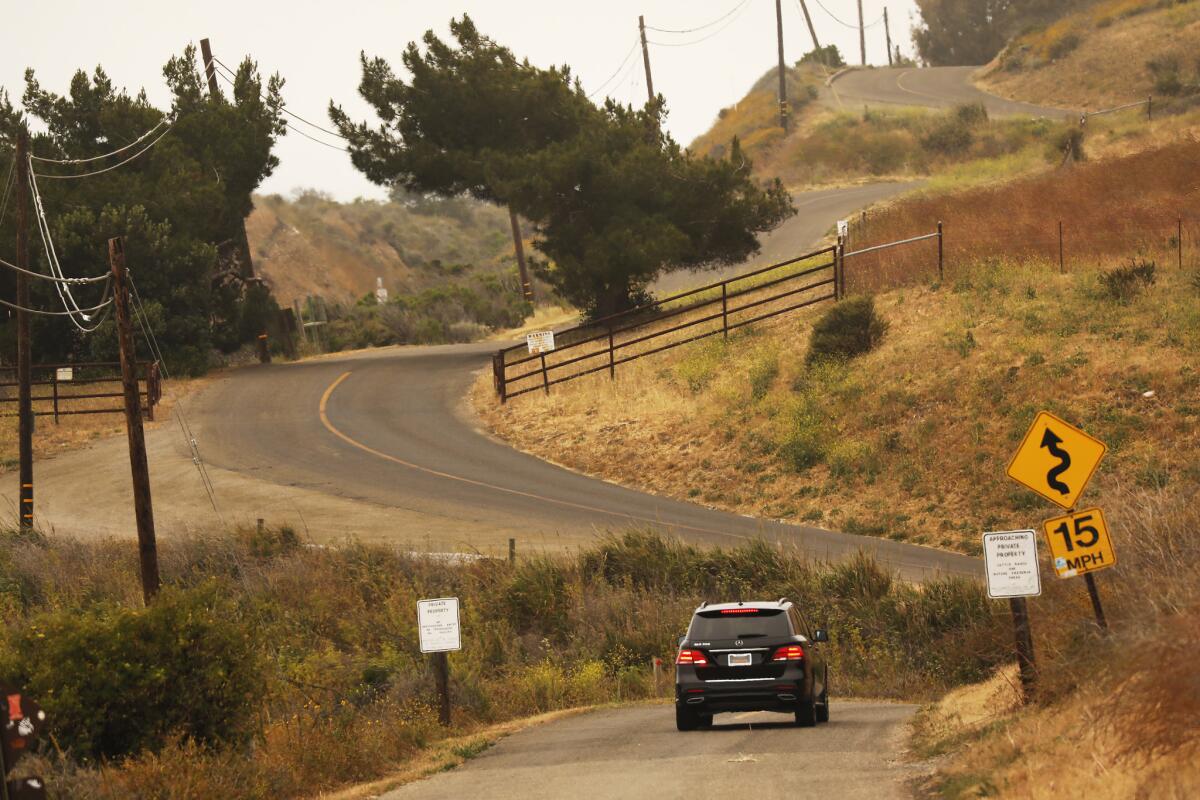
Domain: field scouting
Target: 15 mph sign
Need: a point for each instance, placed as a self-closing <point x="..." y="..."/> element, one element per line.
<point x="1056" y="460"/>
<point x="1010" y="560"/>
<point x="1079" y="543"/>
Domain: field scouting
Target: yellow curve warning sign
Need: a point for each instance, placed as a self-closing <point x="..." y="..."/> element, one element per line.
<point x="1079" y="543"/>
<point x="1056" y="460"/>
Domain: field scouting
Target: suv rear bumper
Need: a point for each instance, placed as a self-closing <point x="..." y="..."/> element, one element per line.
<point x="704" y="698"/>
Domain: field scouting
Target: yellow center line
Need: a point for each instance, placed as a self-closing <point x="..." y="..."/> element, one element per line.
<point x="323" y="408"/>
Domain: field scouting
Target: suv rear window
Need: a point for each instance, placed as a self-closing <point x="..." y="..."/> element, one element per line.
<point x="748" y="624"/>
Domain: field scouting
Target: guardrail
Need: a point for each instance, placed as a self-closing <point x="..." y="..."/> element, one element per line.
<point x="94" y="373"/>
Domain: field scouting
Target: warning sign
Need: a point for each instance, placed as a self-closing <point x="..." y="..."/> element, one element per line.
<point x="1010" y="560"/>
<point x="1079" y="543"/>
<point x="540" y="342"/>
<point x="1056" y="460"/>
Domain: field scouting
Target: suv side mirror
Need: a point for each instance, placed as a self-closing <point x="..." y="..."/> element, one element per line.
<point x="820" y="635"/>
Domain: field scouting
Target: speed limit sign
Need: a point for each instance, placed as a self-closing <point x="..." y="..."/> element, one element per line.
<point x="1079" y="543"/>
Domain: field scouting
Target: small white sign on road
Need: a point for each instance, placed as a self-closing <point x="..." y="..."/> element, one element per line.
<point x="437" y="624"/>
<point x="843" y="228"/>
<point x="1010" y="560"/>
<point x="540" y="342"/>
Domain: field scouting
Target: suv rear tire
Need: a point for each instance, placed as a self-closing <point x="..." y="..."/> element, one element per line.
<point x="806" y="714"/>
<point x="685" y="720"/>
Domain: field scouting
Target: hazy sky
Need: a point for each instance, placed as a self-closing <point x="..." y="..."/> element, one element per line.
<point x="315" y="47"/>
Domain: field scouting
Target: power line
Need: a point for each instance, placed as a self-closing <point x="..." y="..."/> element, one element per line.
<point x="44" y="313"/>
<point x="105" y="169"/>
<point x="8" y="184"/>
<point x="45" y="277"/>
<point x="118" y="151"/>
<point x="843" y="22"/>
<point x="290" y="126"/>
<point x="619" y="69"/>
<point x="700" y="27"/>
<point x="730" y="21"/>
<point x="282" y="108"/>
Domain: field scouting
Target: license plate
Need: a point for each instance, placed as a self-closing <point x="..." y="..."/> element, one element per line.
<point x="740" y="659"/>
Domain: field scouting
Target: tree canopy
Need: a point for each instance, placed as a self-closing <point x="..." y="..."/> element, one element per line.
<point x="180" y="204"/>
<point x="972" y="32"/>
<point x="614" y="200"/>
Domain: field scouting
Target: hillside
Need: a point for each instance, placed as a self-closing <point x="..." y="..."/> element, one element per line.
<point x="1111" y="53"/>
<point x="314" y="245"/>
<point x="911" y="440"/>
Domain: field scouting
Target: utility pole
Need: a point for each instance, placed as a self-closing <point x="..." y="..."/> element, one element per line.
<point x="519" y="244"/>
<point x="24" y="339"/>
<point x="646" y="59"/>
<point x="783" y="101"/>
<point x="210" y="71"/>
<point x="862" y="35"/>
<point x="887" y="32"/>
<point x="811" y="30"/>
<point x="143" y="510"/>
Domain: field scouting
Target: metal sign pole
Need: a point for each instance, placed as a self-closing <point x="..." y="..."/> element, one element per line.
<point x="1024" y="642"/>
<point x="1090" y="580"/>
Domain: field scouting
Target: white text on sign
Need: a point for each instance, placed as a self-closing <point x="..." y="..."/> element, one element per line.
<point x="438" y="625"/>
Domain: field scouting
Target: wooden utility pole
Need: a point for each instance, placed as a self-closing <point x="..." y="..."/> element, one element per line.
<point x="783" y="100"/>
<point x="862" y="35"/>
<point x="519" y="244"/>
<point x="887" y="32"/>
<point x="142" y="508"/>
<point x="210" y="71"/>
<point x="646" y="59"/>
<point x="811" y="30"/>
<point x="24" y="339"/>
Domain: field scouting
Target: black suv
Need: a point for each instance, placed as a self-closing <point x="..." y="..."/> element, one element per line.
<point x="750" y="657"/>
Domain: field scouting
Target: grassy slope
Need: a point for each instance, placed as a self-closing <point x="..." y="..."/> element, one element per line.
<point x="911" y="440"/>
<point x="312" y="245"/>
<point x="1107" y="66"/>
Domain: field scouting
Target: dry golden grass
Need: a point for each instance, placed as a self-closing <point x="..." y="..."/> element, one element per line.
<point x="912" y="439"/>
<point x="1117" y="715"/>
<point x="1108" y="67"/>
<point x="72" y="432"/>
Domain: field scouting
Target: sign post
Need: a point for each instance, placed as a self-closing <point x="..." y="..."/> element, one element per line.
<point x="540" y="343"/>
<point x="439" y="632"/>
<point x="1011" y="563"/>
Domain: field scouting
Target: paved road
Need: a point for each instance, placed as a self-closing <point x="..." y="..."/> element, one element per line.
<point x="636" y="752"/>
<point x="933" y="87"/>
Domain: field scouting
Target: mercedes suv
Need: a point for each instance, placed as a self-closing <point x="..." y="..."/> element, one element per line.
<point x="750" y="657"/>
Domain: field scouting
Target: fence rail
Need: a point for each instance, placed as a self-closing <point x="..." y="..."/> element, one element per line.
<point x="58" y="398"/>
<point x="680" y="319"/>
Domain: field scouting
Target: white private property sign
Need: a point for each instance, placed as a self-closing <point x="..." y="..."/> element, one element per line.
<point x="1010" y="560"/>
<point x="540" y="342"/>
<point x="437" y="624"/>
<point x="843" y="228"/>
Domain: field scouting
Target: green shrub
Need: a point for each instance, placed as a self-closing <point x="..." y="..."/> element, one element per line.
<point x="848" y="329"/>
<point x="1065" y="45"/>
<point x="1166" y="72"/>
<point x="802" y="441"/>
<point x="117" y="681"/>
<point x="1123" y="283"/>
<point x="763" y="372"/>
<point x="1067" y="141"/>
<point x="971" y="113"/>
<point x="829" y="55"/>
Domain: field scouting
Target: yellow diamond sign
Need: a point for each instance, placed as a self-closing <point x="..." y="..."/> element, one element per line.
<point x="1056" y="460"/>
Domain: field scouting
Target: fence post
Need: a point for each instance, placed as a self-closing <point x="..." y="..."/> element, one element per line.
<point x="1149" y="107"/>
<point x="941" y="254"/>
<point x="545" y="375"/>
<point x="612" y="358"/>
<point x="1179" y="241"/>
<point x="498" y="372"/>
<point x="1062" y="265"/>
<point x="54" y="385"/>
<point x="725" y="310"/>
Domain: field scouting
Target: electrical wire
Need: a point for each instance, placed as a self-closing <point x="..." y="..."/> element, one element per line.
<point x="134" y="143"/>
<point x="45" y="277"/>
<point x="706" y="37"/>
<point x="843" y="22"/>
<point x="8" y="184"/>
<point x="618" y="71"/>
<point x="284" y="107"/>
<point x="63" y="289"/>
<point x="139" y="153"/>
<point x="700" y="27"/>
<point x="43" y="313"/>
<point x="143" y="320"/>
<point x="290" y="126"/>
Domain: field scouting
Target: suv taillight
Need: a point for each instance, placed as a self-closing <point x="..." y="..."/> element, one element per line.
<point x="791" y="652"/>
<point x="693" y="657"/>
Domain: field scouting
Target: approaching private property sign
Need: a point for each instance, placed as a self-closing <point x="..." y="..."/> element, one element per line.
<point x="1010" y="560"/>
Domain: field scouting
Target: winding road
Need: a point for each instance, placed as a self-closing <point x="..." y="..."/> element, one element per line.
<point x="930" y="87"/>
